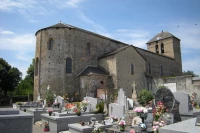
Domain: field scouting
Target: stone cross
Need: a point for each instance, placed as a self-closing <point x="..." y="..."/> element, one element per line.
<point x="38" y="97"/>
<point x="134" y="94"/>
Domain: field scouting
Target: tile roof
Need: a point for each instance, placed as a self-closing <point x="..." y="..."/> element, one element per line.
<point x="93" y="70"/>
<point x="114" y="52"/>
<point x="161" y="36"/>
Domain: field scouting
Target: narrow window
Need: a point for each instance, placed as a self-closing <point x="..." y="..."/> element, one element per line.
<point x="68" y="65"/>
<point x="36" y="66"/>
<point x="50" y="44"/>
<point x="156" y="48"/>
<point x="132" y="69"/>
<point x="161" y="70"/>
<point x="162" y="48"/>
<point x="88" y="48"/>
<point x="149" y="68"/>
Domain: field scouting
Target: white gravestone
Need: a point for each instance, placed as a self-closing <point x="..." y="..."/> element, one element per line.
<point x="118" y="109"/>
<point x="92" y="103"/>
<point x="60" y="100"/>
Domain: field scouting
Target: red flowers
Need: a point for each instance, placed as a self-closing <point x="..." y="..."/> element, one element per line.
<point x="159" y="110"/>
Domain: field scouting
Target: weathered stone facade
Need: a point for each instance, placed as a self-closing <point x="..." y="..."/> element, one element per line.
<point x="187" y="84"/>
<point x="60" y="42"/>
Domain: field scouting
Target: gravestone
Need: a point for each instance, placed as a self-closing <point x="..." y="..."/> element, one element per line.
<point x="166" y="96"/>
<point x="60" y="100"/>
<point x="184" y="100"/>
<point x="118" y="109"/>
<point x="92" y="103"/>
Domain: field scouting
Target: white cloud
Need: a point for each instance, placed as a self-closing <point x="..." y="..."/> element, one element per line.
<point x="27" y="8"/>
<point x="18" y="42"/>
<point x="7" y="32"/>
<point x="74" y="3"/>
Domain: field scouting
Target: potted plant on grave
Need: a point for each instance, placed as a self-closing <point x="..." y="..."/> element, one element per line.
<point x="77" y="111"/>
<point x="141" y="112"/>
<point x="46" y="127"/>
<point x="50" y="111"/>
<point x="122" y="125"/>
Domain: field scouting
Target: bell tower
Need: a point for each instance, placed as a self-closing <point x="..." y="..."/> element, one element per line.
<point x="165" y="44"/>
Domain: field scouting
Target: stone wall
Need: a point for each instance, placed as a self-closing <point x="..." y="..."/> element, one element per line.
<point x="187" y="84"/>
<point x="67" y="42"/>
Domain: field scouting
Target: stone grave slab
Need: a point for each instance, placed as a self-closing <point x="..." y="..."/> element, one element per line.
<point x="184" y="100"/>
<point x="13" y="121"/>
<point x="187" y="126"/>
<point x="8" y="111"/>
<point x="116" y="110"/>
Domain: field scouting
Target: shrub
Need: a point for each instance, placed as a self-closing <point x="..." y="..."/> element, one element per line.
<point x="144" y="97"/>
<point x="100" y="107"/>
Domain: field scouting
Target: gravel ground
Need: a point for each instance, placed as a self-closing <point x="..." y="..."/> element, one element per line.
<point x="37" y="129"/>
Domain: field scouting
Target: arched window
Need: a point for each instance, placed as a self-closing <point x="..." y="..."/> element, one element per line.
<point x="132" y="69"/>
<point x="162" y="48"/>
<point x="149" y="68"/>
<point x="161" y="70"/>
<point x="36" y="66"/>
<point x="50" y="44"/>
<point x="68" y="65"/>
<point x="88" y="48"/>
<point x="156" y="48"/>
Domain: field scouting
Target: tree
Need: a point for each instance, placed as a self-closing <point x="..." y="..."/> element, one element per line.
<point x="189" y="73"/>
<point x="26" y="86"/>
<point x="9" y="77"/>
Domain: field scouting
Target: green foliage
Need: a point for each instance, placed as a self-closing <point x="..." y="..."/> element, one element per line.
<point x="100" y="107"/>
<point x="26" y="86"/>
<point x="9" y="77"/>
<point x="49" y="97"/>
<point x="189" y="73"/>
<point x="144" y="97"/>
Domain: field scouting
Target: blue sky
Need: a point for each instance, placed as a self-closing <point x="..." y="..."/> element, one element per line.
<point x="131" y="21"/>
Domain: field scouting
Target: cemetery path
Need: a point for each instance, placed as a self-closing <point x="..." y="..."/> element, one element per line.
<point x="37" y="129"/>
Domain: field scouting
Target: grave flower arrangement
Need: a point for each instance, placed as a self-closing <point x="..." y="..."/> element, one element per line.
<point x="141" y="111"/>
<point x="77" y="111"/>
<point x="85" y="103"/>
<point x="122" y="125"/>
<point x="157" y="125"/>
<point x="159" y="110"/>
<point x="46" y="127"/>
<point x="50" y="111"/>
<point x="97" y="130"/>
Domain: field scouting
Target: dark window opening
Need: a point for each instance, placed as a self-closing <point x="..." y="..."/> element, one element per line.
<point x="149" y="68"/>
<point x="162" y="48"/>
<point x="132" y="69"/>
<point x="88" y="48"/>
<point x="102" y="82"/>
<point x="156" y="48"/>
<point x="68" y="65"/>
<point x="50" y="44"/>
<point x="36" y="66"/>
<point x="161" y="70"/>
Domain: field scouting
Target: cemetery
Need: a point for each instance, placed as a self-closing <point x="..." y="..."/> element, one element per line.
<point x="166" y="112"/>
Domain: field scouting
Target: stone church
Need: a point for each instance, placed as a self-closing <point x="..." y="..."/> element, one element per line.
<point x="76" y="61"/>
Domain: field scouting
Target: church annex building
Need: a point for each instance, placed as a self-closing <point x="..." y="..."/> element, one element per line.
<point x="73" y="60"/>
